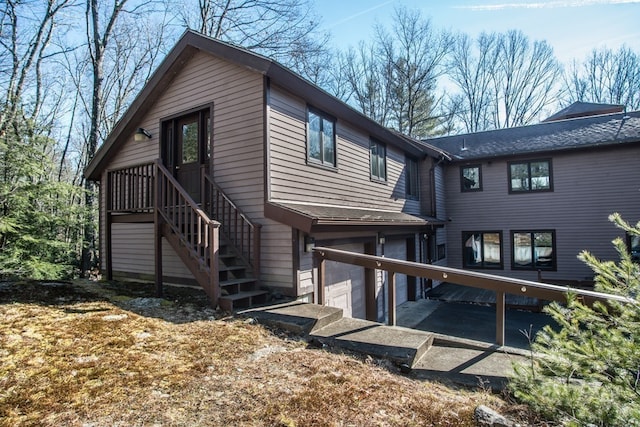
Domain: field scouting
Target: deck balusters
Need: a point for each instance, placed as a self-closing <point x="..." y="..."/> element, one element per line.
<point x="243" y="234"/>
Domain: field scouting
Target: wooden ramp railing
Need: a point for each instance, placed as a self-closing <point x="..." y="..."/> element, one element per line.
<point x="501" y="285"/>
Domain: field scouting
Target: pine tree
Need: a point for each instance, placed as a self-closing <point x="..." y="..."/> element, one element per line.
<point x="40" y="217"/>
<point x="587" y="370"/>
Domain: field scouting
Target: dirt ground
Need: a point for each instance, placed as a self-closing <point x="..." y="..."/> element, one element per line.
<point x="110" y="354"/>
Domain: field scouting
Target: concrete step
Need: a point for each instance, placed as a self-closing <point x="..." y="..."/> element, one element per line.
<point x="403" y="346"/>
<point x="297" y="317"/>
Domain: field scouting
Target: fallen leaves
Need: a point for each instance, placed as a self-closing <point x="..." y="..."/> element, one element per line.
<point x="87" y="361"/>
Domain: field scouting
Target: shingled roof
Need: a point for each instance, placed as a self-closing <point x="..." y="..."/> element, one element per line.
<point x="584" y="109"/>
<point x="559" y="135"/>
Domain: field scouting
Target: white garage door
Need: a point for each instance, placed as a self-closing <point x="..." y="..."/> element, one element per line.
<point x="345" y="284"/>
<point x="398" y="249"/>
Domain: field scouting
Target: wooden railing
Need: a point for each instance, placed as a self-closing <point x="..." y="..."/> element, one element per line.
<point x="501" y="285"/>
<point x="131" y="189"/>
<point x="243" y="234"/>
<point x="151" y="188"/>
<point x="198" y="233"/>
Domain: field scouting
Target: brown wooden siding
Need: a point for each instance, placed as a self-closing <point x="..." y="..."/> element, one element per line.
<point x="441" y="213"/>
<point x="291" y="178"/>
<point x="237" y="96"/>
<point x="587" y="187"/>
<point x="133" y="251"/>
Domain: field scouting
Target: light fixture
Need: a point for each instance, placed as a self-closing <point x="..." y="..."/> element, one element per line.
<point x="142" y="135"/>
<point x="309" y="243"/>
<point x="381" y="239"/>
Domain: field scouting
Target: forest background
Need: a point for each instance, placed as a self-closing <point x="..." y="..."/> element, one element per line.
<point x="70" y="68"/>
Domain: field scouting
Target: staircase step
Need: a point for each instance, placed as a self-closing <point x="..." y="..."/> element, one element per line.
<point x="232" y="282"/>
<point x="231" y="267"/>
<point x="243" y="299"/>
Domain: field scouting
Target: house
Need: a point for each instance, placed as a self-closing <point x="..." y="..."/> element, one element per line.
<point x="228" y="167"/>
<point x="524" y="202"/>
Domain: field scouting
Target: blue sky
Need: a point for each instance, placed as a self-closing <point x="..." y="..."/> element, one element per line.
<point x="572" y="27"/>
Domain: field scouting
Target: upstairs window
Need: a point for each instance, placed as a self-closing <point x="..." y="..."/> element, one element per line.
<point x="533" y="250"/>
<point x="321" y="138"/>
<point x="412" y="184"/>
<point x="378" y="158"/>
<point x="482" y="249"/>
<point x="530" y="176"/>
<point x="470" y="178"/>
<point x="633" y="243"/>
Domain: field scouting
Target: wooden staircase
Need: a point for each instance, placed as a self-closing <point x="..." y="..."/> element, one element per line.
<point x="239" y="286"/>
<point x="216" y="241"/>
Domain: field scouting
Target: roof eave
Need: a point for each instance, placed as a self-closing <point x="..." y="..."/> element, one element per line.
<point x="187" y="46"/>
<point x="309" y="224"/>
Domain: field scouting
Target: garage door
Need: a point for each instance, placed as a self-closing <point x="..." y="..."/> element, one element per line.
<point x="345" y="284"/>
<point x="398" y="249"/>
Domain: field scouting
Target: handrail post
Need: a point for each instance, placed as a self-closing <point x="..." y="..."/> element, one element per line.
<point x="500" y="317"/>
<point x="157" y="221"/>
<point x="214" y="278"/>
<point x="321" y="277"/>
<point x="256" y="250"/>
<point x="392" y="298"/>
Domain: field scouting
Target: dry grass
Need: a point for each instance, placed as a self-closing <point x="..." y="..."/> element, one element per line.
<point x="68" y="357"/>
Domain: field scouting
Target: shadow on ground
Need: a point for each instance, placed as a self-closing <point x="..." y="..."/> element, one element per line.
<point x="478" y="322"/>
<point x="178" y="305"/>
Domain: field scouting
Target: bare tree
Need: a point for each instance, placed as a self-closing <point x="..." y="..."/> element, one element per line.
<point x="285" y="30"/>
<point x="365" y="76"/>
<point x="394" y="79"/>
<point x="415" y="53"/>
<point x="24" y="46"/>
<point x="472" y="71"/>
<point x="121" y="55"/>
<point x="504" y="80"/>
<point x="525" y="81"/>
<point x="606" y="77"/>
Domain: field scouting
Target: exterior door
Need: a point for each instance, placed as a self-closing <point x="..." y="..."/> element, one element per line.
<point x="186" y="149"/>
<point x="188" y="158"/>
<point x="344" y="285"/>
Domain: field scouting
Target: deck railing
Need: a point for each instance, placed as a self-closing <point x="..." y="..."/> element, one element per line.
<point x="131" y="189"/>
<point x="241" y="232"/>
<point x="501" y="285"/>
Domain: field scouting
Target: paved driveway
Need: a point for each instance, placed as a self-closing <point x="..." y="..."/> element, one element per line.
<point x="478" y="322"/>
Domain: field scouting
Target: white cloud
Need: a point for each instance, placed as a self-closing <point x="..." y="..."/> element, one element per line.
<point x="362" y="12"/>
<point x="545" y="4"/>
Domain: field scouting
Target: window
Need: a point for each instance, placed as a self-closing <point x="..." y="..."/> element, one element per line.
<point x="412" y="184"/>
<point x="533" y="250"/>
<point x="321" y="139"/>
<point x="633" y="243"/>
<point x="378" y="159"/>
<point x="186" y="139"/>
<point x="530" y="176"/>
<point x="190" y="139"/>
<point x="441" y="251"/>
<point x="470" y="178"/>
<point x="482" y="249"/>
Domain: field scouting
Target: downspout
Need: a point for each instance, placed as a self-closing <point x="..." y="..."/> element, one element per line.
<point x="432" y="178"/>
